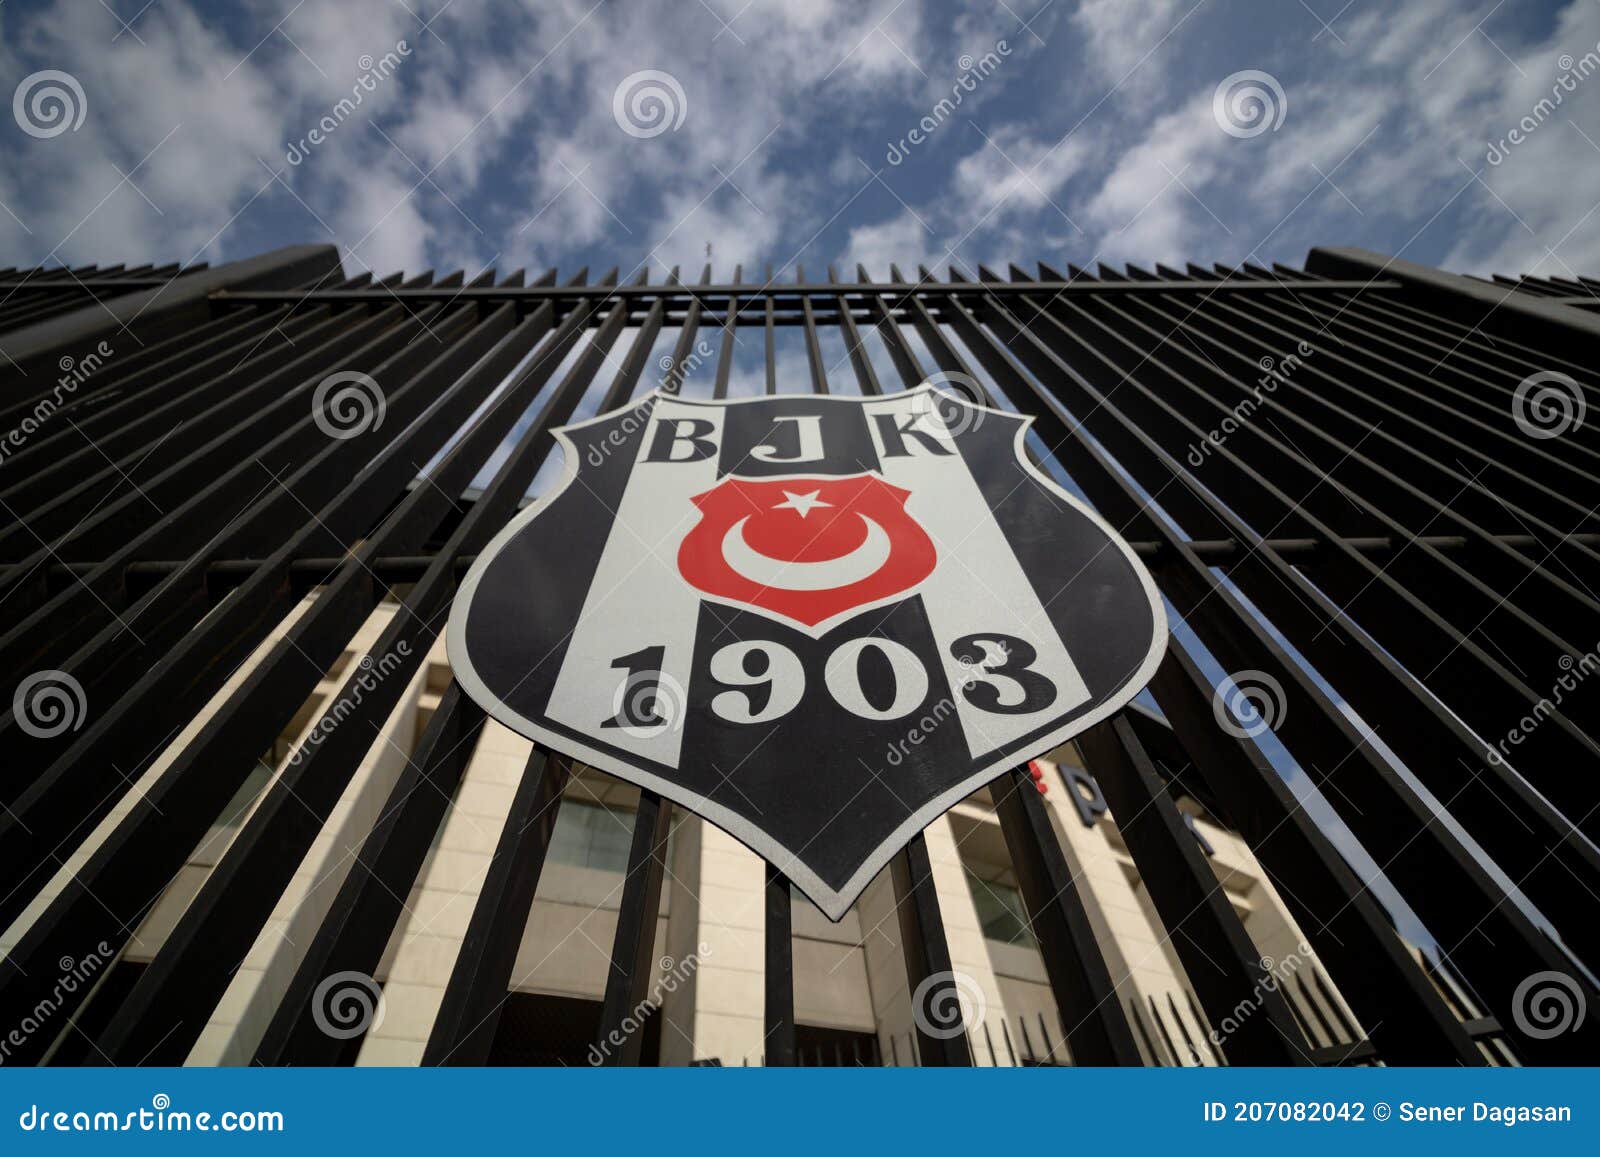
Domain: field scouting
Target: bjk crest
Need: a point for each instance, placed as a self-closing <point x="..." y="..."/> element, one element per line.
<point x="808" y="549"/>
<point x="816" y="621"/>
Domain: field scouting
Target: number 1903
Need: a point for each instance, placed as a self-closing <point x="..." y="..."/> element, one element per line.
<point x="763" y="680"/>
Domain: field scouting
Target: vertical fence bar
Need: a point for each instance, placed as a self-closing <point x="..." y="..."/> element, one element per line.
<point x="929" y="976"/>
<point x="1217" y="954"/>
<point x="1125" y="450"/>
<point x="928" y="970"/>
<point x="633" y="950"/>
<point x="1490" y="934"/>
<point x="779" y="976"/>
<point x="1091" y="1011"/>
<point x="464" y="1029"/>
<point x="1098" y="1031"/>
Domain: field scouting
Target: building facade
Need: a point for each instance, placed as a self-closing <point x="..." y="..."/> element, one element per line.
<point x="853" y="1002"/>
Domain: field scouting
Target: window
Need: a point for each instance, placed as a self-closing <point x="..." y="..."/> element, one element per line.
<point x="560" y="1030"/>
<point x="1001" y="914"/>
<point x="589" y="835"/>
<point x="835" y="1047"/>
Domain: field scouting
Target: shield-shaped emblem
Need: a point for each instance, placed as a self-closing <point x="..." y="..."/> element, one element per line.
<point x="816" y="621"/>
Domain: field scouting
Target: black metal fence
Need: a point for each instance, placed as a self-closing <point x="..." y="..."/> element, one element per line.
<point x="1364" y="484"/>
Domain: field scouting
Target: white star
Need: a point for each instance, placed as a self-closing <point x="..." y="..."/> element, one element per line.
<point x="801" y="504"/>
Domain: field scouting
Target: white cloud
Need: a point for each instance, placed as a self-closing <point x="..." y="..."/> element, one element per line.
<point x="739" y="230"/>
<point x="166" y="113"/>
<point x="1012" y="171"/>
<point x="380" y="225"/>
<point x="903" y="240"/>
<point x="507" y="107"/>
<point x="1121" y="37"/>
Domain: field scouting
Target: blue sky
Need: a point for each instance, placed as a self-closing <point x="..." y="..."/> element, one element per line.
<point x="493" y="138"/>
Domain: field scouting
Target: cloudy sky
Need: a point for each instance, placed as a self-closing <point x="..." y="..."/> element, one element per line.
<point x="492" y="133"/>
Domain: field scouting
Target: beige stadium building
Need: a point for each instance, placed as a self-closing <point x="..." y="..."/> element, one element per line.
<point x="852" y="1001"/>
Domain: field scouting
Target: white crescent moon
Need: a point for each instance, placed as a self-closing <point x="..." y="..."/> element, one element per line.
<point x="861" y="562"/>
